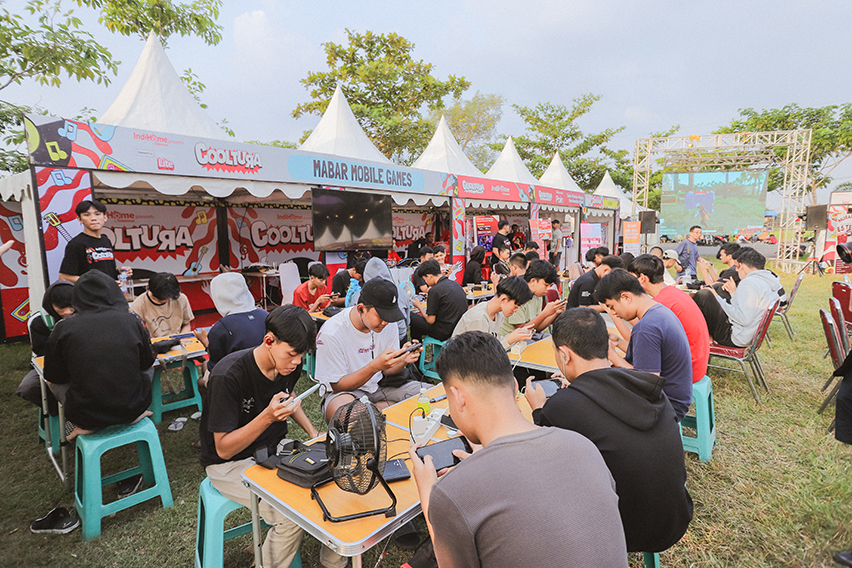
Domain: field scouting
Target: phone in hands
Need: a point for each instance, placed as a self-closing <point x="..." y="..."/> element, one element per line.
<point x="442" y="452"/>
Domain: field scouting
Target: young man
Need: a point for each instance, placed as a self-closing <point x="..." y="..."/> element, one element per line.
<point x="707" y="272"/>
<point x="356" y="347"/>
<point x="501" y="266"/>
<point x="439" y="254"/>
<point x="447" y="304"/>
<point x="163" y="308"/>
<point x="501" y="239"/>
<point x="657" y="344"/>
<point x="312" y="294"/>
<point x="90" y="249"/>
<point x="426" y="253"/>
<point x="487" y="317"/>
<point x="250" y="396"/>
<point x="475" y="511"/>
<point x="649" y="271"/>
<point x="531" y="246"/>
<point x="555" y="245"/>
<point x="670" y="261"/>
<point x="734" y="322"/>
<point x="583" y="291"/>
<point x="517" y="264"/>
<point x="378" y="268"/>
<point x="341" y="281"/>
<point x="531" y="255"/>
<point x="625" y="413"/>
<point x="540" y="275"/>
<point x="687" y="252"/>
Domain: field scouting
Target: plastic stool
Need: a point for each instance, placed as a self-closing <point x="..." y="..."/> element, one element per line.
<point x="428" y="369"/>
<point x="652" y="559"/>
<point x="211" y="535"/>
<point x="311" y="364"/>
<point x="55" y="438"/>
<point x="161" y="402"/>
<point x="88" y="495"/>
<point x="704" y="421"/>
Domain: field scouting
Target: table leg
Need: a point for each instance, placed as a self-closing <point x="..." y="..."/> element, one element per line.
<point x="255" y="530"/>
<point x="356" y="561"/>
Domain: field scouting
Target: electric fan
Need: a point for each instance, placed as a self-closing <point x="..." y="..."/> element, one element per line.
<point x="356" y="447"/>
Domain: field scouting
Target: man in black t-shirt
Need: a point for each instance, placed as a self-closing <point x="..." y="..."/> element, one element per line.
<point x="340" y="282"/>
<point x="249" y="398"/>
<point x="583" y="291"/>
<point x="90" y="249"/>
<point x="447" y="304"/>
<point x="501" y="239"/>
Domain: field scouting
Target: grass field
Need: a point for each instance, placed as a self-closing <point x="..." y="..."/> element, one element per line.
<point x="778" y="491"/>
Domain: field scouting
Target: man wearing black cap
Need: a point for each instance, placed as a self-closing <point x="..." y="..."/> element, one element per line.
<point x="357" y="348"/>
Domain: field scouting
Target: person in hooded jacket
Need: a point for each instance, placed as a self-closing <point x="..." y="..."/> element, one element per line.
<point x="102" y="355"/>
<point x="626" y="414"/>
<point x="473" y="268"/>
<point x="377" y="268"/>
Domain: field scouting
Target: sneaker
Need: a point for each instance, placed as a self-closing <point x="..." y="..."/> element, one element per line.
<point x="69" y="427"/>
<point x="58" y="521"/>
<point x="129" y="486"/>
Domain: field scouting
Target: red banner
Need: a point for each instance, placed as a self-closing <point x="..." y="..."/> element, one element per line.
<point x="561" y="197"/>
<point x="482" y="188"/>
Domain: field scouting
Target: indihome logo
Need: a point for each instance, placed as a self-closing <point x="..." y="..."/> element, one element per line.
<point x="151" y="138"/>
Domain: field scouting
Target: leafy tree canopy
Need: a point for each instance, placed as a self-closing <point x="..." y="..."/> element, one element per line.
<point x="473" y="122"/>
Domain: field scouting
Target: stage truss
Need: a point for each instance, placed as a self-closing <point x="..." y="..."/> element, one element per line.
<point x="788" y="149"/>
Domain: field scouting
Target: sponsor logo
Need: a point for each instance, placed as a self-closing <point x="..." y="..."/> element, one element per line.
<point x="471" y="187"/>
<point x="545" y="195"/>
<point x="227" y="160"/>
<point x="164" y="164"/>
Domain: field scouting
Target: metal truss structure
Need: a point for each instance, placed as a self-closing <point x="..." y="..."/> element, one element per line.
<point x="788" y="149"/>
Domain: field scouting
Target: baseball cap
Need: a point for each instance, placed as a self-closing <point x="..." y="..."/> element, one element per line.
<point x="671" y="254"/>
<point x="383" y="296"/>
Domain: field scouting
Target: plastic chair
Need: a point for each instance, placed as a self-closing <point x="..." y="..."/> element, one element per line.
<point x="210" y="535"/>
<point x="88" y="487"/>
<point x="781" y="312"/>
<point x="743" y="355"/>
<point x="840" y="322"/>
<point x="428" y="369"/>
<point x="704" y="421"/>
<point x="832" y="337"/>
<point x="288" y="273"/>
<point x="188" y="396"/>
<point x="53" y="422"/>
<point x="652" y="559"/>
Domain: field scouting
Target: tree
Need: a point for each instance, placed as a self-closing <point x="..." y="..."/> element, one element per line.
<point x="473" y="123"/>
<point x="276" y="143"/>
<point x="386" y="88"/>
<point x="831" y="143"/>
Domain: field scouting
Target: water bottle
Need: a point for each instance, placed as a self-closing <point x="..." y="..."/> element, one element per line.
<point x="122" y="280"/>
<point x="423" y="402"/>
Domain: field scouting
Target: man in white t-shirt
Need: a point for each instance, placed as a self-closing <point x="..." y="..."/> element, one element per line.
<point x="488" y="317"/>
<point x="356" y="349"/>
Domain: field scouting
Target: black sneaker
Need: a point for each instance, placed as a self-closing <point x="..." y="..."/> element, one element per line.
<point x="58" y="521"/>
<point x="129" y="486"/>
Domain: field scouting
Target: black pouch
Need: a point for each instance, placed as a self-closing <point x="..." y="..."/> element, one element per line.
<point x="303" y="465"/>
<point x="165" y="345"/>
<point x="411" y="372"/>
<point x="330" y="311"/>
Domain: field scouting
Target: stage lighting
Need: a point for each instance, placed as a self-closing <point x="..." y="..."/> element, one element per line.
<point x="844" y="251"/>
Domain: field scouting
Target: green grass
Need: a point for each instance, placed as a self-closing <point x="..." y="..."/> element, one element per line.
<point x="778" y="491"/>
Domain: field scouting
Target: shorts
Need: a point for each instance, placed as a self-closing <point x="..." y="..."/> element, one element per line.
<point x="382" y="394"/>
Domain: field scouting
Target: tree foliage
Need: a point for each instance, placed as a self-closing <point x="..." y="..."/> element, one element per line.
<point x="831" y="143"/>
<point x="163" y="17"/>
<point x="473" y="122"/>
<point x="387" y="90"/>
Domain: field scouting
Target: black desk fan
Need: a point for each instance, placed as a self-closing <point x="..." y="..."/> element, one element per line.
<point x="356" y="447"/>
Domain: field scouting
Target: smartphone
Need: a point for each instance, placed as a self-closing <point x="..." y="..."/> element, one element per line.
<point x="183" y="336"/>
<point x="411" y="348"/>
<point x="335" y="296"/>
<point x="550" y="386"/>
<point x="311" y="390"/>
<point x="442" y="452"/>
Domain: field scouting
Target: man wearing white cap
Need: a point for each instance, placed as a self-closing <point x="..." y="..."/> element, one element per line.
<point x="670" y="260"/>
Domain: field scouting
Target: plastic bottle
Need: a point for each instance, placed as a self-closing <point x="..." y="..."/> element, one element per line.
<point x="122" y="280"/>
<point x="423" y="402"/>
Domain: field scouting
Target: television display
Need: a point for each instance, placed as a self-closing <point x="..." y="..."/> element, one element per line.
<point x="349" y="220"/>
<point x="722" y="203"/>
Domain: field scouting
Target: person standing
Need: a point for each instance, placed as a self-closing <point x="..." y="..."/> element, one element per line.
<point x="501" y="239"/>
<point x="556" y="244"/>
<point x="687" y="252"/>
<point x="90" y="249"/>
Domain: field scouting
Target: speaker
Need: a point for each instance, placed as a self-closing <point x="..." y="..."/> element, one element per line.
<point x="649" y="222"/>
<point x="817" y="218"/>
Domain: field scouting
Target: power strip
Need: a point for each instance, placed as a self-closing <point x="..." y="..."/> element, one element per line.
<point x="422" y="429"/>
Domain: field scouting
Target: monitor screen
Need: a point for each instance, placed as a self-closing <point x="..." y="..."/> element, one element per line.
<point x="348" y="220"/>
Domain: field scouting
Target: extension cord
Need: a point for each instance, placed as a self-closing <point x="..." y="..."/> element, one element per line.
<point x="422" y="429"/>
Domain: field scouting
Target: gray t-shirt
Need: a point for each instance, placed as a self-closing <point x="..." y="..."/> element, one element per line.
<point x="539" y="498"/>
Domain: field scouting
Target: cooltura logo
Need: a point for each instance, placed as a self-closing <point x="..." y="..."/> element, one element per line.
<point x="472" y="187"/>
<point x="227" y="160"/>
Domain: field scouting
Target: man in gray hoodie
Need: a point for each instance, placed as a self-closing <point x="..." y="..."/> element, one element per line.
<point x="377" y="268"/>
<point x="734" y="322"/>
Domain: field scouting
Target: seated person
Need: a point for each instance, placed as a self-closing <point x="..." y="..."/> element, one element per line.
<point x="378" y="268"/>
<point x="250" y="396"/>
<point x="517" y="264"/>
<point x="440" y="254"/>
<point x="98" y="359"/>
<point x="473" y="268"/>
<point x="164" y="308"/>
<point x="473" y="510"/>
<point x="656" y="251"/>
<point x="518" y="242"/>
<point x="312" y="294"/>
<point x="669" y="262"/>
<point x="357" y="348"/>
<point x="599" y="254"/>
<point x="625" y="413"/>
<point x="341" y="281"/>
<point x="583" y="291"/>
<point x="656" y="344"/>
<point x="530" y="246"/>
<point x="447" y="304"/>
<point x="487" y="317"/>
<point x="420" y="285"/>
<point x="734" y="322"/>
<point x="649" y="271"/>
<point x="501" y="266"/>
<point x="707" y="272"/>
<point x="540" y="275"/>
<point x="531" y="255"/>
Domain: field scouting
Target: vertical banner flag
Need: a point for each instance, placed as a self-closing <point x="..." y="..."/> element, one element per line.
<point x="590" y="237"/>
<point x="631" y="236"/>
<point x="14" y="294"/>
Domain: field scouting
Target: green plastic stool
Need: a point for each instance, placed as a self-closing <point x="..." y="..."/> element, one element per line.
<point x="704" y="421"/>
<point x="311" y="364"/>
<point x="88" y="495"/>
<point x="211" y="535"/>
<point x="55" y="438"/>
<point x="189" y="396"/>
<point x="652" y="559"/>
<point x="428" y="369"/>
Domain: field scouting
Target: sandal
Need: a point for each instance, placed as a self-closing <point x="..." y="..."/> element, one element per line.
<point x="177" y="424"/>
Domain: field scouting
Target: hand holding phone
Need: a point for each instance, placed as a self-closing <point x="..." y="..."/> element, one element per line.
<point x="442" y="452"/>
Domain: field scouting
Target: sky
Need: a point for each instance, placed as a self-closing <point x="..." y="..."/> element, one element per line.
<point x="655" y="64"/>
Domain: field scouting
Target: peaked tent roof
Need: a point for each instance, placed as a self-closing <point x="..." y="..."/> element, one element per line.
<point x="339" y="133"/>
<point x="557" y="176"/>
<point x="154" y="98"/>
<point x="443" y="154"/>
<point x="607" y="188"/>
<point x="509" y="166"/>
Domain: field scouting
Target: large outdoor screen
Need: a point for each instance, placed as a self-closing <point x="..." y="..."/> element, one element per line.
<point x="721" y="202"/>
<point x="349" y="220"/>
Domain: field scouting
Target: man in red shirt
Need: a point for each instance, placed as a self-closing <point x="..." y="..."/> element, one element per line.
<point x="312" y="295"/>
<point x="649" y="270"/>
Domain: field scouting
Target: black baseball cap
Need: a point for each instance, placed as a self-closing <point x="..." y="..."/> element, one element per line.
<point x="383" y="296"/>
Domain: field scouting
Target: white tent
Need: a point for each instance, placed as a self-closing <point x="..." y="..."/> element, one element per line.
<point x="339" y="133"/>
<point x="557" y="176"/>
<point x="154" y="98"/>
<point x="443" y="154"/>
<point x="509" y="166"/>
<point x="607" y="188"/>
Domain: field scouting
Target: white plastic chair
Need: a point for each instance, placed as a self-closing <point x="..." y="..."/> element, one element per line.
<point x="288" y="273"/>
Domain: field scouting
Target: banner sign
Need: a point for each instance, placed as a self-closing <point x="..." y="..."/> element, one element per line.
<point x="631" y="236"/>
<point x="482" y="188"/>
<point x="561" y="197"/>
<point x="610" y="202"/>
<point x="269" y="236"/>
<point x="459" y="237"/>
<point x="594" y="200"/>
<point x="14" y="294"/>
<point x="408" y="227"/>
<point x="839" y="229"/>
<point x="541" y="230"/>
<point x="590" y="237"/>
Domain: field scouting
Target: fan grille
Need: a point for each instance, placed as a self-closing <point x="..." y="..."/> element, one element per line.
<point x="361" y="438"/>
